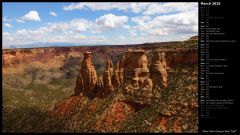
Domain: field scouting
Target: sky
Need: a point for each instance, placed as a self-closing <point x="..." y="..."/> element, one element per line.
<point x="97" y="23"/>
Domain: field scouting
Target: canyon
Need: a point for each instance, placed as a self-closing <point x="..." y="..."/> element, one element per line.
<point x="177" y="54"/>
<point x="149" y="87"/>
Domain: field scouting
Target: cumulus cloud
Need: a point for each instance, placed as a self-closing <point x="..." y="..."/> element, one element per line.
<point x="70" y="31"/>
<point x="144" y="7"/>
<point x="7" y="25"/>
<point x="30" y="16"/>
<point x="151" y="22"/>
<point x="6" y="34"/>
<point x="79" y="25"/>
<point x="94" y="6"/>
<point x="133" y="34"/>
<point x="179" y="23"/>
<point x="111" y="21"/>
<point x="53" y="14"/>
<point x="141" y="19"/>
<point x="133" y="7"/>
<point x="167" y="7"/>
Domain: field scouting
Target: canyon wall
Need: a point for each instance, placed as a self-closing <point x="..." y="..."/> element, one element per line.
<point x="56" y="57"/>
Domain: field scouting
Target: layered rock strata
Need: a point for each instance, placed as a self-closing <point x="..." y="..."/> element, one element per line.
<point x="107" y="78"/>
<point x="100" y="87"/>
<point x="159" y="69"/>
<point x="137" y="81"/>
<point x="131" y="73"/>
<point x="87" y="78"/>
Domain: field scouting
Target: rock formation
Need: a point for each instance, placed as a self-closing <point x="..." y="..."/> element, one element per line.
<point x="178" y="57"/>
<point x="137" y="81"/>
<point x="131" y="73"/>
<point x="87" y="78"/>
<point x="100" y="87"/>
<point x="116" y="74"/>
<point x="159" y="69"/>
<point x="54" y="57"/>
<point x="79" y="85"/>
<point x="121" y="67"/>
<point x="107" y="78"/>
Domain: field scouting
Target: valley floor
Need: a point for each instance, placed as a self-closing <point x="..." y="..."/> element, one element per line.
<point x="30" y="105"/>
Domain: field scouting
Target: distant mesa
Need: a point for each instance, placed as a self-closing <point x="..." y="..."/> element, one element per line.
<point x="176" y="53"/>
<point x="193" y="38"/>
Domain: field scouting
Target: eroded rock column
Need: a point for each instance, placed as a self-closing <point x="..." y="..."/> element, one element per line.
<point x="137" y="81"/>
<point x="100" y="87"/>
<point x="107" y="78"/>
<point x="159" y="69"/>
<point x="87" y="78"/>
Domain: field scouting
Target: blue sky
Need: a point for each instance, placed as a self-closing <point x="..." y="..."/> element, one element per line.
<point x="98" y="23"/>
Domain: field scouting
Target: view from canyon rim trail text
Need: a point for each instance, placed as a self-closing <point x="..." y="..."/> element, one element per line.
<point x="100" y="67"/>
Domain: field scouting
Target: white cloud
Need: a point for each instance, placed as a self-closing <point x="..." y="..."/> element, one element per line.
<point x="53" y="14"/>
<point x="121" y="37"/>
<point x="6" y="34"/>
<point x="96" y="6"/>
<point x="70" y="31"/>
<point x="143" y="7"/>
<point x="167" y="7"/>
<point x="162" y="22"/>
<point x="31" y="16"/>
<point x="111" y="21"/>
<point x="138" y="7"/>
<point x="6" y="19"/>
<point x="179" y="23"/>
<point x="24" y="36"/>
<point x="125" y="26"/>
<point x="133" y="7"/>
<point x="133" y="34"/>
<point x="7" y="25"/>
<point x="78" y="25"/>
<point x="19" y="20"/>
<point x="141" y="19"/>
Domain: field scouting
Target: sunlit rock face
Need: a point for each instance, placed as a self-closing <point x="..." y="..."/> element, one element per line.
<point x="107" y="78"/>
<point x="159" y="69"/>
<point x="132" y="74"/>
<point x="137" y="81"/>
<point x="87" y="78"/>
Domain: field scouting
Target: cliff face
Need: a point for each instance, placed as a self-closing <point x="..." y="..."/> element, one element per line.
<point x="15" y="59"/>
<point x="18" y="56"/>
<point x="181" y="57"/>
